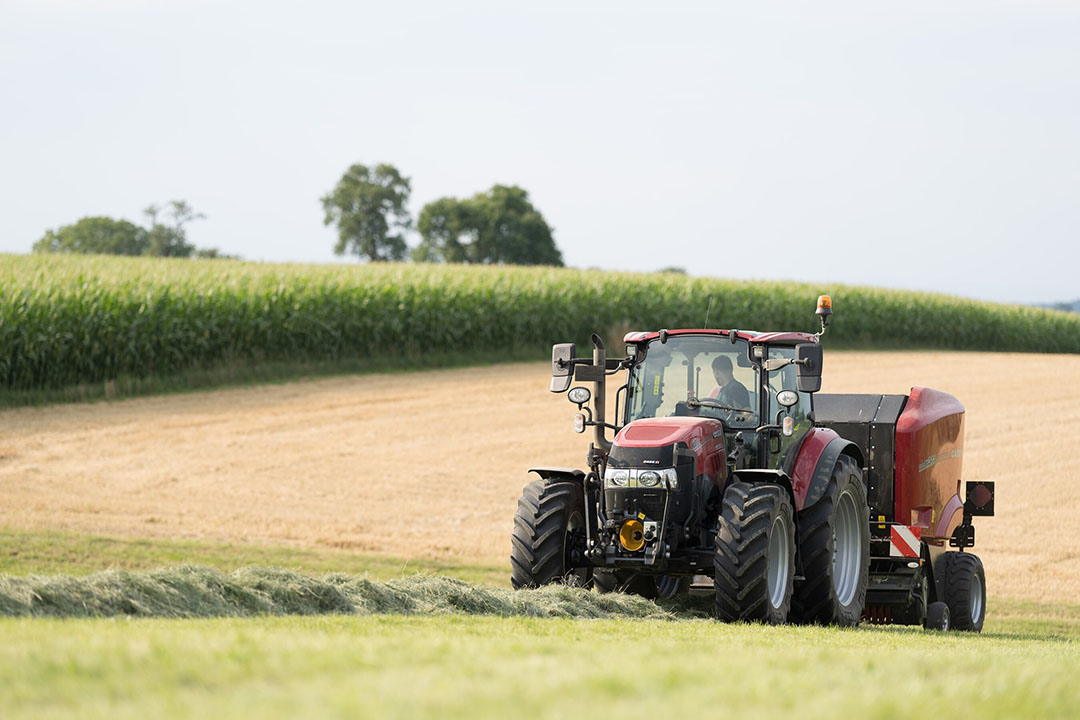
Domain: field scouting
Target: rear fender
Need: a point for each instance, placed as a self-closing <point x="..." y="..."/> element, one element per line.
<point x="814" y="464"/>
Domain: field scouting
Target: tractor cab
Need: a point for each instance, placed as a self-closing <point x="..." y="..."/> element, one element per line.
<point x="746" y="381"/>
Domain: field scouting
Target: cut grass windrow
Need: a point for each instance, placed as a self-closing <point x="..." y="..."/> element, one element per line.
<point x="191" y="591"/>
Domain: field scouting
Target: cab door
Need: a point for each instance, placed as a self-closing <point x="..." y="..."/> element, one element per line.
<point x="784" y="379"/>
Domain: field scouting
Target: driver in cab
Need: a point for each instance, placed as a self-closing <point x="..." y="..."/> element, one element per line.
<point x="729" y="392"/>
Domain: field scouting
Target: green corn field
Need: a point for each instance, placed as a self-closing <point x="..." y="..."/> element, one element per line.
<point x="66" y="320"/>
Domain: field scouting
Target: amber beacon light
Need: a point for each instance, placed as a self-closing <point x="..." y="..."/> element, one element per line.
<point x="824" y="310"/>
<point x="824" y="305"/>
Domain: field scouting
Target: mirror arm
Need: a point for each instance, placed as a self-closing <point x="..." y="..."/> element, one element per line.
<point x="573" y="361"/>
<point x="590" y="423"/>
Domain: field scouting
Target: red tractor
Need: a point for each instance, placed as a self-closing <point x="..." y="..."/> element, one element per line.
<point x="727" y="464"/>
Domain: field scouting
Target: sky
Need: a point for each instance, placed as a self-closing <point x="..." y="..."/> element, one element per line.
<point x="920" y="145"/>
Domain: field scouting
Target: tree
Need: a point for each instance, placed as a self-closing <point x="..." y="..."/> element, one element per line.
<point x="500" y="226"/>
<point x="368" y="207"/>
<point x="171" y="240"/>
<point x="447" y="227"/>
<point x="96" y="235"/>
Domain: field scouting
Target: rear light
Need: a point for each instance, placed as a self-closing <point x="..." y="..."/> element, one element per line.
<point x="980" y="499"/>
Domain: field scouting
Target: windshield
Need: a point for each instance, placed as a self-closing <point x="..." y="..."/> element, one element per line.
<point x="675" y="376"/>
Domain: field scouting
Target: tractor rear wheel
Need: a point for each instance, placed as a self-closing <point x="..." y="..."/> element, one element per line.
<point x="548" y="527"/>
<point x="834" y="540"/>
<point x="755" y="554"/>
<point x="965" y="590"/>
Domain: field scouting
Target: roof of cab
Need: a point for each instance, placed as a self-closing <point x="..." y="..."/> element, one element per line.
<point x="782" y="338"/>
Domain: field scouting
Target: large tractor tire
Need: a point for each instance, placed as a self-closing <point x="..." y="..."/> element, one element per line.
<point x="834" y="541"/>
<point x="550" y="517"/>
<point x="755" y="554"/>
<point x="964" y="590"/>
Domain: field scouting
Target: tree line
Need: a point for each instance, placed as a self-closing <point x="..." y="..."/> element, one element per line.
<point x="368" y="206"/>
<point x="500" y="226"/>
<point x="165" y="236"/>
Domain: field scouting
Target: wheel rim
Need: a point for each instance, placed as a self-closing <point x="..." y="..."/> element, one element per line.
<point x="779" y="561"/>
<point x="847" y="549"/>
<point x="976" y="601"/>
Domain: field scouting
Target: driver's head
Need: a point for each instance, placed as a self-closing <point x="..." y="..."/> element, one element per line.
<point x="721" y="367"/>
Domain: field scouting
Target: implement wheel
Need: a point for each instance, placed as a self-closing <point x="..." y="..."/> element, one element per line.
<point x="651" y="587"/>
<point x="834" y="539"/>
<point x="549" y="533"/>
<point x="965" y="590"/>
<point x="755" y="554"/>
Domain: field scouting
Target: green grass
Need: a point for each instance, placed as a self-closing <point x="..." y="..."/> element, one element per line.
<point x="42" y="552"/>
<point x="456" y="666"/>
<point x="71" y="322"/>
<point x="461" y="662"/>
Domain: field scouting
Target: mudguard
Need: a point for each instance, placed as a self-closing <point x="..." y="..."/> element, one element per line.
<point x="559" y="473"/>
<point x="815" y="461"/>
<point x="773" y="477"/>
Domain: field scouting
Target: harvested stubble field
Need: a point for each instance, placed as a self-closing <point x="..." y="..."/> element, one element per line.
<point x="429" y="465"/>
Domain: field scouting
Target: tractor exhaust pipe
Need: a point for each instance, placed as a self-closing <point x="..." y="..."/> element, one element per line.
<point x="599" y="359"/>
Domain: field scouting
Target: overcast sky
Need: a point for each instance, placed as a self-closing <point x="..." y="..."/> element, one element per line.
<point x="924" y="145"/>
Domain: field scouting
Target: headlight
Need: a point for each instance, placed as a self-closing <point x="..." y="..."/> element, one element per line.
<point x="617" y="478"/>
<point x="641" y="477"/>
<point x="649" y="478"/>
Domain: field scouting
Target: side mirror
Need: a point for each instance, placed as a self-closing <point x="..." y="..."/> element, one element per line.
<point x="562" y="368"/>
<point x="808" y="356"/>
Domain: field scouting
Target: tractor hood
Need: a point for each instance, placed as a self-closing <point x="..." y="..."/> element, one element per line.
<point x="660" y="442"/>
<point x="661" y="432"/>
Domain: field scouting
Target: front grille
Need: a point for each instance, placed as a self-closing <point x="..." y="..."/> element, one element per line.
<point x="649" y="457"/>
<point x="635" y="500"/>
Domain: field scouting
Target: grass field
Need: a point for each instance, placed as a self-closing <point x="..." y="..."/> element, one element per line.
<point x="45" y="552"/>
<point x="365" y="475"/>
<point x="464" y="666"/>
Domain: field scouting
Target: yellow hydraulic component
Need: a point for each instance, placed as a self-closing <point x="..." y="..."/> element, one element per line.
<point x="632" y="535"/>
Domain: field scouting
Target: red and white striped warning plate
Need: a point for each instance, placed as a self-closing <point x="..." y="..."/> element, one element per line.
<point x="904" y="541"/>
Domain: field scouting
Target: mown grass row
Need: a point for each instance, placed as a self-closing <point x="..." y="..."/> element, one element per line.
<point x="66" y="320"/>
<point x="192" y="591"/>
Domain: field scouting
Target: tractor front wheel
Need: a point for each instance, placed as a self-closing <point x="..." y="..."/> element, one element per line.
<point x="548" y="528"/>
<point x="834" y="540"/>
<point x="965" y="590"/>
<point x="755" y="554"/>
